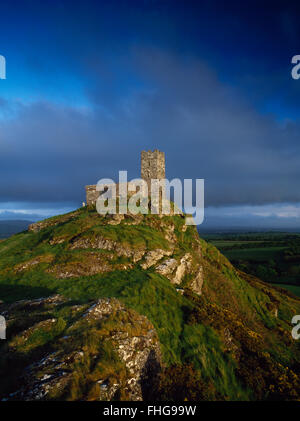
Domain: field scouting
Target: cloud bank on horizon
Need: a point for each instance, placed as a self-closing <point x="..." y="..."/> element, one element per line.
<point x="99" y="83"/>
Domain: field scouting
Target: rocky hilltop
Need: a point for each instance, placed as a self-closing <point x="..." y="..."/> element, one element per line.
<point x="136" y="307"/>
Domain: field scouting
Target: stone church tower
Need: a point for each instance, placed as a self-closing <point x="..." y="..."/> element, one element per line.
<point x="152" y="166"/>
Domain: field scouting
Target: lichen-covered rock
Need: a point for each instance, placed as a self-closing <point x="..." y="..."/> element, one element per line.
<point x="45" y="258"/>
<point x="106" y="244"/>
<point x="153" y="256"/>
<point x="112" y="349"/>
<point x="182" y="268"/>
<point x="167" y="267"/>
<point x="27" y="306"/>
<point x="169" y="233"/>
<point x="197" y="281"/>
<point x="176" y="270"/>
<point x="87" y="264"/>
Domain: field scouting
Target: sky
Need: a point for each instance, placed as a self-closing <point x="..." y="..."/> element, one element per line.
<point x="89" y="84"/>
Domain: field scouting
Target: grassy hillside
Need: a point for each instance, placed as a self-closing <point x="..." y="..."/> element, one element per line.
<point x="229" y="339"/>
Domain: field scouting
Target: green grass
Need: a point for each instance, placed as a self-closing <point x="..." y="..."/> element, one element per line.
<point x="146" y="292"/>
<point x="152" y="295"/>
<point x="203" y="347"/>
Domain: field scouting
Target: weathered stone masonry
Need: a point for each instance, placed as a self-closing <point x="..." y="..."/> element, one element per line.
<point x="91" y="194"/>
<point x="152" y="167"/>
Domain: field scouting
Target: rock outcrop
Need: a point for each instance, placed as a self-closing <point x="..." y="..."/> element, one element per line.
<point x="110" y="245"/>
<point x="176" y="270"/>
<point x="130" y="369"/>
<point x="153" y="256"/>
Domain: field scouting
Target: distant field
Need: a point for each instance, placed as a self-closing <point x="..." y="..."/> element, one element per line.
<point x="257" y="254"/>
<point x="292" y="288"/>
<point x="227" y="243"/>
<point x="271" y="256"/>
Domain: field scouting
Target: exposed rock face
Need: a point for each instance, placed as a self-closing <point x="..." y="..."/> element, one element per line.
<point x="197" y="282"/>
<point x="167" y="267"/>
<point x="169" y="233"/>
<point x="175" y="270"/>
<point x="90" y="264"/>
<point x="106" y="244"/>
<point x="153" y="256"/>
<point x="46" y="258"/>
<point x="134" y="340"/>
<point x="140" y="353"/>
<point x="182" y="268"/>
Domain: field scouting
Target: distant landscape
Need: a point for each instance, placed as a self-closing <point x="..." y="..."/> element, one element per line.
<point x="271" y="256"/>
<point x="8" y="228"/>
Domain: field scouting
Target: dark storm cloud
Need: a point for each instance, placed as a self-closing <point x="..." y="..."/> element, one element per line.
<point x="48" y="152"/>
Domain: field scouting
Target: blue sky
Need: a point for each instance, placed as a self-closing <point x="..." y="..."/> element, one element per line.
<point x="92" y="83"/>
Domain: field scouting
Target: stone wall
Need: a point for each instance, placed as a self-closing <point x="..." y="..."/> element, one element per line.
<point x="152" y="167"/>
<point x="91" y="194"/>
